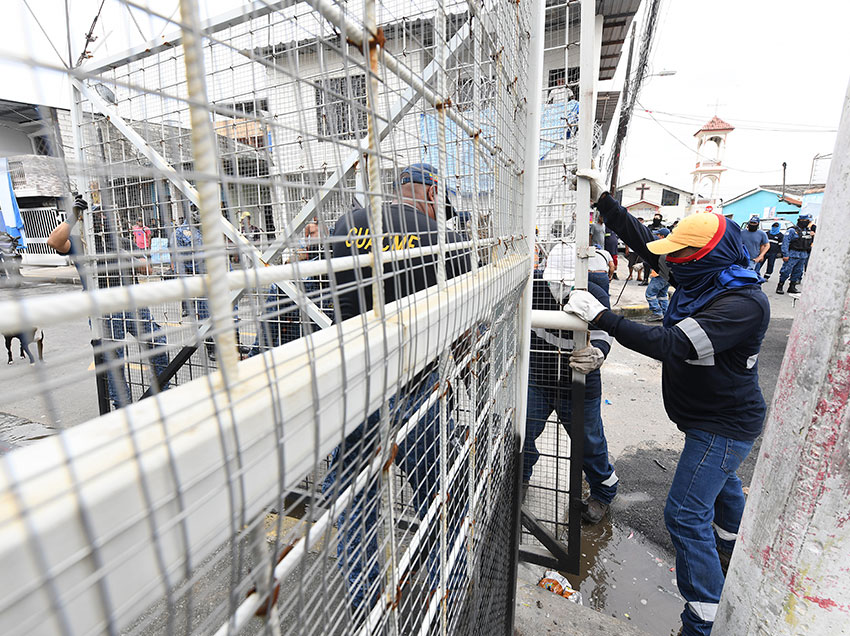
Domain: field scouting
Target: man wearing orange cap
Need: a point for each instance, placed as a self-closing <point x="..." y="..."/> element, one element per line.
<point x="709" y="344"/>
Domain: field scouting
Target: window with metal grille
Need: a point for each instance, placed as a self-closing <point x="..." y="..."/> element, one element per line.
<point x="668" y="197"/>
<point x="41" y="146"/>
<point x="341" y="107"/>
<point x="252" y="106"/>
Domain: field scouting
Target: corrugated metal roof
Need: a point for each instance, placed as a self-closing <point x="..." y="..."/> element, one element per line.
<point x="618" y="16"/>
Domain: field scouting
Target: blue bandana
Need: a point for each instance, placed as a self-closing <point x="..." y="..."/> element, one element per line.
<point x="700" y="281"/>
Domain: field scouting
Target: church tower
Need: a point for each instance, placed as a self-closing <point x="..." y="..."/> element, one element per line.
<point x="711" y="146"/>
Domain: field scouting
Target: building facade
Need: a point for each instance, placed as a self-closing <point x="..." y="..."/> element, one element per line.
<point x="770" y="201"/>
<point x="646" y="196"/>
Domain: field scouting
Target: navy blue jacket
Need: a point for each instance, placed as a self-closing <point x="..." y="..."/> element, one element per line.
<point x="404" y="228"/>
<point x="710" y="359"/>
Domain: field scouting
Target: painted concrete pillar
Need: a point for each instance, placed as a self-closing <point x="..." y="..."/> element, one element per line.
<point x="790" y="573"/>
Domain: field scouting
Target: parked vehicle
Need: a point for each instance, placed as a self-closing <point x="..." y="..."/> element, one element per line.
<point x="765" y="224"/>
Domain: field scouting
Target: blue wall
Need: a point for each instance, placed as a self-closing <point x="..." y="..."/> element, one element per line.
<point x="742" y="209"/>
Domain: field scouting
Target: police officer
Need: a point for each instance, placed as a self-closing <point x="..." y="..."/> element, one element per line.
<point x="408" y="223"/>
<point x="796" y="248"/>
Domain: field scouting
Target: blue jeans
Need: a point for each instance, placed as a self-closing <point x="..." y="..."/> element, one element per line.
<point x="279" y="322"/>
<point x="702" y="514"/>
<point x="598" y="471"/>
<point x="601" y="279"/>
<point x="656" y="295"/>
<point x="417" y="455"/>
<point x="141" y="325"/>
<point x="794" y="267"/>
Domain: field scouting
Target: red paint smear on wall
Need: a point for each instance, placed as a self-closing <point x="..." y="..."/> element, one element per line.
<point x="824" y="603"/>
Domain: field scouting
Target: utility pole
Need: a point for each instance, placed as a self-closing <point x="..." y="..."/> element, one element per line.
<point x="789" y="572"/>
<point x="623" y="125"/>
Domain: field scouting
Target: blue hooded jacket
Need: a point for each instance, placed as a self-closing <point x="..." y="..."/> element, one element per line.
<point x="701" y="280"/>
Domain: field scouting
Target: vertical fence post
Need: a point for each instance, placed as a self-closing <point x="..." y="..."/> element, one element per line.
<point x="534" y="105"/>
<point x="789" y="572"/>
<point x="205" y="157"/>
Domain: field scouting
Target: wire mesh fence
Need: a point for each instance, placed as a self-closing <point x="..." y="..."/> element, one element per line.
<point x="301" y="239"/>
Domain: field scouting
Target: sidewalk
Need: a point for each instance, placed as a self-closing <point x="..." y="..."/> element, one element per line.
<point x="632" y="303"/>
<point x="49" y="274"/>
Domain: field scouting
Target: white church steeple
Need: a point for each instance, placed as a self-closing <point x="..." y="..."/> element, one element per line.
<point x="711" y="146"/>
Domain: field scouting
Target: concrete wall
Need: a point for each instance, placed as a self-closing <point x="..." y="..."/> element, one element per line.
<point x="762" y="204"/>
<point x="14" y="142"/>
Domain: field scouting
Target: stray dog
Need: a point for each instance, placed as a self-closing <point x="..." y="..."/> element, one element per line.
<point x="26" y="339"/>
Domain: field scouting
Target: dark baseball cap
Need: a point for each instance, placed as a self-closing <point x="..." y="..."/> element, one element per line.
<point x="427" y="175"/>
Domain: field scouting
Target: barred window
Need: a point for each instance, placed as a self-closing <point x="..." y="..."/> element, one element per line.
<point x="341" y="107"/>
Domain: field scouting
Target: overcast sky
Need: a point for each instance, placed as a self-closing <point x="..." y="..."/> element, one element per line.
<point x="779" y="70"/>
<point x="775" y="67"/>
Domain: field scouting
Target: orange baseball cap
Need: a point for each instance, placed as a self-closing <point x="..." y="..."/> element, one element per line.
<point x="702" y="230"/>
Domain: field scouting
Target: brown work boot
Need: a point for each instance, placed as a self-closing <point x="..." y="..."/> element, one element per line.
<point x="593" y="510"/>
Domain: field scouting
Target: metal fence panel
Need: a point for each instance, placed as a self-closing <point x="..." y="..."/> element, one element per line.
<point x="288" y="441"/>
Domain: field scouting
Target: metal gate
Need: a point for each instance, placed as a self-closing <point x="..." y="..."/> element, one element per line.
<point x="266" y="462"/>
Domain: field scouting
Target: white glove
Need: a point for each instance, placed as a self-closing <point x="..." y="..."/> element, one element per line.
<point x="584" y="305"/>
<point x="597" y="185"/>
<point x="586" y="360"/>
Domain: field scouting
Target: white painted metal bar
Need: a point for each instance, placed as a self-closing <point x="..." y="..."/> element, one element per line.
<point x="240" y="15"/>
<point x="529" y="203"/>
<point x="205" y="153"/>
<point x="185" y="431"/>
<point x="543" y="319"/>
<point x="587" y="118"/>
<point x="788" y="574"/>
<point x="58" y="308"/>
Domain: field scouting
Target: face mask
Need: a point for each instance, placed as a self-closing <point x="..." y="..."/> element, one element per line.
<point x="752" y="227"/>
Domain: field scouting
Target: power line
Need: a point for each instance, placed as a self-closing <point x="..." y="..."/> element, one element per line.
<point x="751" y="128"/>
<point x="780" y="125"/>
<point x="698" y="154"/>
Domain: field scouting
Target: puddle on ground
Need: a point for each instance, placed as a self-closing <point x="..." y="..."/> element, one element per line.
<point x="625" y="576"/>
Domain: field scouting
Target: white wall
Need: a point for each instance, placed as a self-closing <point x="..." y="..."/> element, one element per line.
<point x="14" y="142"/>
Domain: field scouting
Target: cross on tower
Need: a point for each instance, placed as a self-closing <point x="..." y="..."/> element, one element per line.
<point x="643" y="188"/>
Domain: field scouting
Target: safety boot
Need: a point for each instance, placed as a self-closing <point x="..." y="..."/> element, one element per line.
<point x="593" y="511"/>
<point x="792" y="288"/>
<point x="779" y="289"/>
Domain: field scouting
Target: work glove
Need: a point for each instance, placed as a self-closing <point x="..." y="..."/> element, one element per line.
<point x="77" y="209"/>
<point x="584" y="305"/>
<point x="597" y="185"/>
<point x="586" y="360"/>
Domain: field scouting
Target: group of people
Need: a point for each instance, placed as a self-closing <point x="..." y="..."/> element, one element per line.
<point x="708" y="341"/>
<point x="116" y="259"/>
